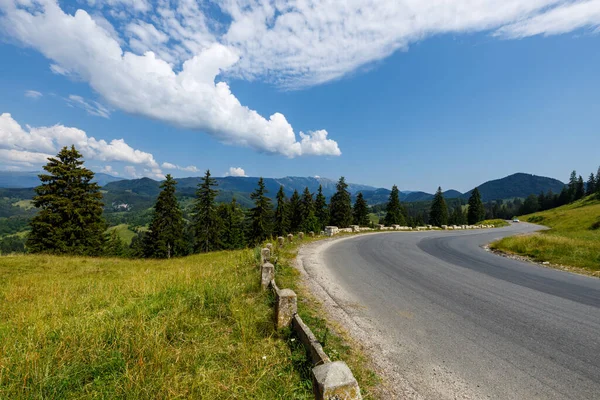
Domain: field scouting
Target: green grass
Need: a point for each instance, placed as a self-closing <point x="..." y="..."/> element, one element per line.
<point x="498" y="223"/>
<point x="123" y="232"/>
<point x="335" y="341"/>
<point x="572" y="241"/>
<point x="195" y="327"/>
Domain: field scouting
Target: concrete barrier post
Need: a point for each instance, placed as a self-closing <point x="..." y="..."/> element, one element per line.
<point x="286" y="307"/>
<point x="311" y="234"/>
<point x="334" y="381"/>
<point x="265" y="255"/>
<point x="290" y="238"/>
<point x="280" y="240"/>
<point x="269" y="246"/>
<point x="267" y="274"/>
<point x="301" y="235"/>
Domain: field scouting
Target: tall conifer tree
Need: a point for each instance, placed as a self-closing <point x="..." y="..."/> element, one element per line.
<point x="579" y="188"/>
<point x="310" y="223"/>
<point x="232" y="222"/>
<point x="591" y="185"/>
<point x="476" y="211"/>
<point x="295" y="212"/>
<point x="438" y="214"/>
<point x="321" y="210"/>
<point x="572" y="186"/>
<point x="282" y="218"/>
<point x="394" y="213"/>
<point x="165" y="238"/>
<point x="69" y="220"/>
<point x="260" y="215"/>
<point x="340" y="206"/>
<point x="361" y="211"/>
<point x="207" y="224"/>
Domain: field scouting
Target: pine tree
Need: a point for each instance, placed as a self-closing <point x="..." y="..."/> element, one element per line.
<point x="572" y="186"/>
<point x="295" y="212"/>
<point x="591" y="185"/>
<point x="282" y="219"/>
<point x="114" y="246"/>
<point x="563" y="197"/>
<point x="457" y="217"/>
<point x="394" y="214"/>
<point x="340" y="206"/>
<point x="165" y="238"/>
<point x="232" y="233"/>
<point x="476" y="211"/>
<point x="260" y="215"/>
<point x="321" y="211"/>
<point x="530" y="205"/>
<point x="69" y="220"/>
<point x="438" y="215"/>
<point x="361" y="211"/>
<point x="207" y="224"/>
<point x="579" y="188"/>
<point x="310" y="223"/>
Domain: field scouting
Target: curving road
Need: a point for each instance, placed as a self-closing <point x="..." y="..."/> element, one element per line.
<point x="456" y="321"/>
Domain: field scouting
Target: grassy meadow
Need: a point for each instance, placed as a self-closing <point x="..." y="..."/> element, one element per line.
<point x="194" y="327"/>
<point x="573" y="239"/>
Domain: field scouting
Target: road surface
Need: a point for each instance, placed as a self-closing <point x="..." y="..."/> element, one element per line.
<point x="456" y="321"/>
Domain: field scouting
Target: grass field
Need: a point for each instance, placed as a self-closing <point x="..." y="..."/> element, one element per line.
<point x="573" y="240"/>
<point x="195" y="327"/>
<point x="123" y="232"/>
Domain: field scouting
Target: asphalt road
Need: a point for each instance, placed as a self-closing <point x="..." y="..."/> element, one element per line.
<point x="460" y="322"/>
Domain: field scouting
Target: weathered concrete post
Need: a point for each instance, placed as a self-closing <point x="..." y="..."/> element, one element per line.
<point x="265" y="255"/>
<point x="322" y="233"/>
<point x="290" y="238"/>
<point x="285" y="308"/>
<point x="311" y="234"/>
<point x="267" y="273"/>
<point x="269" y="246"/>
<point x="301" y="235"/>
<point x="334" y="381"/>
<point x="280" y="240"/>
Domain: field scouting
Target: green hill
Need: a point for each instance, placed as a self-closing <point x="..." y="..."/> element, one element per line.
<point x="572" y="240"/>
<point x="518" y="185"/>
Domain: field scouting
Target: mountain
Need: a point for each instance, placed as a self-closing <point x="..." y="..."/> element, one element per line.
<point x="29" y="179"/>
<point x="516" y="185"/>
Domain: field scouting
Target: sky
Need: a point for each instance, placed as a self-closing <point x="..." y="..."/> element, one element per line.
<point x="420" y="94"/>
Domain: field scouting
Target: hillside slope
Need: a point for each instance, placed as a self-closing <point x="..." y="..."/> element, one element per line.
<point x="516" y="185"/>
<point x="572" y="240"/>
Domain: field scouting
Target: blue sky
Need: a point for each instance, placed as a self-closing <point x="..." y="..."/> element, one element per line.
<point x="390" y="94"/>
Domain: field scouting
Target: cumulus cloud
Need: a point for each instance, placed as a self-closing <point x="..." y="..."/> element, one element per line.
<point x="164" y="59"/>
<point x="34" y="94"/>
<point x="148" y="85"/>
<point x="108" y="169"/>
<point x="91" y="107"/>
<point x="189" y="168"/>
<point x="235" y="171"/>
<point x="32" y="146"/>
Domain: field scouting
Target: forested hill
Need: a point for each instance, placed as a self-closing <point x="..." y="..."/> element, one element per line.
<point x="517" y="185"/>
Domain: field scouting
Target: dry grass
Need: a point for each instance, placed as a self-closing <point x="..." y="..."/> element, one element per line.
<point x="196" y="327"/>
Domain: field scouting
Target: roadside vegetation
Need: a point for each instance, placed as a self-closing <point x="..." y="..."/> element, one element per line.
<point x="573" y="239"/>
<point x="497" y="223"/>
<point x="191" y="327"/>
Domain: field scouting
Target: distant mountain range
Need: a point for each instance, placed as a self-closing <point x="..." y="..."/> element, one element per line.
<point x="143" y="191"/>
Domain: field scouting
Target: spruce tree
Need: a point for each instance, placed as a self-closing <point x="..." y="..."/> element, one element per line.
<point x="394" y="214"/>
<point x="321" y="210"/>
<point x="579" y="188"/>
<point x="69" y="220"/>
<point x="361" y="211"/>
<point x="458" y="216"/>
<point x="165" y="238"/>
<point x="232" y="222"/>
<point x="340" y="206"/>
<point x="260" y="215"/>
<point x="476" y="211"/>
<point x="310" y="223"/>
<point x="572" y="186"/>
<point x="114" y="246"/>
<point x="591" y="185"/>
<point x="438" y="214"/>
<point x="295" y="212"/>
<point x="282" y="218"/>
<point x="207" y="224"/>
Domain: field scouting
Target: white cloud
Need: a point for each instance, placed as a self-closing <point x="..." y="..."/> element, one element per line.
<point x="33" y="145"/>
<point x="91" y="107"/>
<point x="190" y="168"/>
<point x="34" y="94"/>
<point x="235" y="171"/>
<point x="108" y="169"/>
<point x="162" y="59"/>
<point x="148" y="85"/>
<point x="131" y="171"/>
